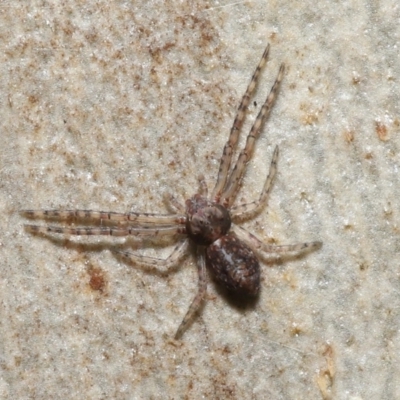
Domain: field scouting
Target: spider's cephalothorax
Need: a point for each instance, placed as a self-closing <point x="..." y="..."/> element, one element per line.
<point x="226" y="248"/>
<point x="206" y="221"/>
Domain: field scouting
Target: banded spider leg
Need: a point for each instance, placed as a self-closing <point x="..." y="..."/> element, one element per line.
<point x="141" y="225"/>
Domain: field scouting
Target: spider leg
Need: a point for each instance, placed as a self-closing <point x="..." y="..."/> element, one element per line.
<point x="231" y="144"/>
<point x="173" y="204"/>
<point x="138" y="219"/>
<point x="254" y="242"/>
<point x="232" y="185"/>
<point x="201" y="291"/>
<point x="203" y="189"/>
<point x="248" y="209"/>
<point x="106" y="231"/>
<point x="154" y="262"/>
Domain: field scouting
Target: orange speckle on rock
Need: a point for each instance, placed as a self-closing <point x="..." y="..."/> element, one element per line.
<point x="97" y="280"/>
<point x="349" y="136"/>
<point x="381" y="130"/>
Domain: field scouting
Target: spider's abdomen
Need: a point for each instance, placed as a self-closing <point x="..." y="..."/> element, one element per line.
<point x="206" y="221"/>
<point x="234" y="264"/>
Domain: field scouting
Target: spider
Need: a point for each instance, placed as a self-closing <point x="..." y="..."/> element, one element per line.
<point x="227" y="249"/>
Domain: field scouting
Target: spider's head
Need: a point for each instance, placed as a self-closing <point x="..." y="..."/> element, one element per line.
<point x="206" y="221"/>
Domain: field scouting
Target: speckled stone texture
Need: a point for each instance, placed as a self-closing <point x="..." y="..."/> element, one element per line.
<point x="107" y="105"/>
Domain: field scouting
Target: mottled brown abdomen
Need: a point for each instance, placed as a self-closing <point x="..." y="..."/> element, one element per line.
<point x="234" y="264"/>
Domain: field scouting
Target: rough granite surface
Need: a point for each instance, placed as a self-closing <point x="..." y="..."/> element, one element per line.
<point x="108" y="105"/>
